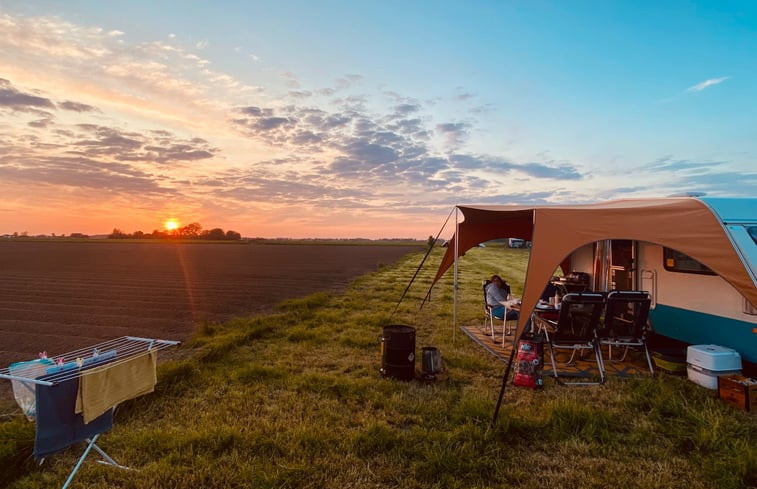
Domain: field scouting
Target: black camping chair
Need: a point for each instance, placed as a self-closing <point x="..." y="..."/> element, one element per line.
<point x="625" y="322"/>
<point x="507" y="325"/>
<point x="575" y="329"/>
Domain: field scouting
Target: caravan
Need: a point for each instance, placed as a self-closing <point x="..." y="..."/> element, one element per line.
<point x="516" y="243"/>
<point x="697" y="257"/>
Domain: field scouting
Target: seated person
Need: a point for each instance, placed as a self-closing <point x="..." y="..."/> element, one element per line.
<point x="498" y="290"/>
<point x="549" y="291"/>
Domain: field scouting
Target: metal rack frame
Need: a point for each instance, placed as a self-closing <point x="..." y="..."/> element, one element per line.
<point x="124" y="349"/>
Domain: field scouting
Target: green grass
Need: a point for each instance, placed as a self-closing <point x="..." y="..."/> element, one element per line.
<point x="294" y="399"/>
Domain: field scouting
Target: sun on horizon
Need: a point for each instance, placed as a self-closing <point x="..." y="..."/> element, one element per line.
<point x="171" y="224"/>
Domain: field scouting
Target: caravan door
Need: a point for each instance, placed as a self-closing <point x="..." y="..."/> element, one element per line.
<point x="622" y="265"/>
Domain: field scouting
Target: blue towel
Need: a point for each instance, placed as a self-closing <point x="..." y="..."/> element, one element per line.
<point x="100" y="359"/>
<point x="62" y="368"/>
<point x="58" y="427"/>
<point x="88" y="362"/>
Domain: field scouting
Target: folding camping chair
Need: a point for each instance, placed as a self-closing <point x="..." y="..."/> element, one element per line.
<point x="625" y="322"/>
<point x="507" y="324"/>
<point x="575" y="329"/>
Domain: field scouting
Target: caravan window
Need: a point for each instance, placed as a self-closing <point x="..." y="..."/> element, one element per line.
<point x="675" y="261"/>
<point x="752" y="230"/>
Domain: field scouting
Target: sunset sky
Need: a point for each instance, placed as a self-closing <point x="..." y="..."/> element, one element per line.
<point x="364" y="118"/>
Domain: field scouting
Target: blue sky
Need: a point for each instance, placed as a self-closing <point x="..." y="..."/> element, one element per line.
<point x="364" y="119"/>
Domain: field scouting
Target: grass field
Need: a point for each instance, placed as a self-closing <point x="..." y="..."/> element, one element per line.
<point x="294" y="399"/>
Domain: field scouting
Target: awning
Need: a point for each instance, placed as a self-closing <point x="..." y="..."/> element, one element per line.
<point x="682" y="223"/>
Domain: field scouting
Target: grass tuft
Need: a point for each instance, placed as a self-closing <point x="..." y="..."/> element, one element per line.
<point x="376" y="440"/>
<point x="16" y="445"/>
<point x="571" y="419"/>
<point x="294" y="399"/>
<point x="253" y="374"/>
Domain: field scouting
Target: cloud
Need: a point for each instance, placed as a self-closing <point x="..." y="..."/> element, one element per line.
<point x="723" y="184"/>
<point x="14" y="99"/>
<point x="109" y="140"/>
<point x="301" y="94"/>
<point x="40" y="123"/>
<point x="562" y="171"/>
<point x="79" y="172"/>
<point x="159" y="121"/>
<point x="33" y="103"/>
<point x="249" y="186"/>
<point x="159" y="147"/>
<point x="406" y="109"/>
<point x="388" y="151"/>
<point x="551" y="170"/>
<point x="515" y="197"/>
<point x="463" y="95"/>
<point x="668" y="164"/>
<point x="77" y="107"/>
<point x="370" y="154"/>
<point x="147" y="76"/>
<point x="670" y="176"/>
<point x="290" y="79"/>
<point x="706" y="84"/>
<point x="348" y="81"/>
<point x="269" y="123"/>
<point x="454" y="133"/>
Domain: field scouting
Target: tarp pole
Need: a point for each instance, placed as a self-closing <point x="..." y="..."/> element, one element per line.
<point x="428" y="252"/>
<point x="504" y="383"/>
<point x="516" y="340"/>
<point x="454" y="285"/>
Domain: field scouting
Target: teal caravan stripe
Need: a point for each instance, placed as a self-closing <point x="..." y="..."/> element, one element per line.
<point x="699" y="328"/>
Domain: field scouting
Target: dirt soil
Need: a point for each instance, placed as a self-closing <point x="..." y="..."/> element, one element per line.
<point x="59" y="296"/>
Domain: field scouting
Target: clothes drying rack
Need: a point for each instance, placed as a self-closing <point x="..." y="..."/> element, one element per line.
<point x="68" y="366"/>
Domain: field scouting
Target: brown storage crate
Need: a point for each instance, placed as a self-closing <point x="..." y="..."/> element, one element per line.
<point x="739" y="391"/>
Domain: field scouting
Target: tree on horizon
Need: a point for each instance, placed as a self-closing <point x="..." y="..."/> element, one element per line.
<point x="190" y="231"/>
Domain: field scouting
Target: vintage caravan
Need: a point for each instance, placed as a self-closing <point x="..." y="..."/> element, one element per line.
<point x="697" y="257"/>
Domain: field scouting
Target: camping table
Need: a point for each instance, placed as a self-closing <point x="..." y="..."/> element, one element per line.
<point x="512" y="304"/>
<point x="546" y="311"/>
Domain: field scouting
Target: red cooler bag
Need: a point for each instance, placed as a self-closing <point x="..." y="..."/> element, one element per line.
<point x="529" y="361"/>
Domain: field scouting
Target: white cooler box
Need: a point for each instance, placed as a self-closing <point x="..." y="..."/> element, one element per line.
<point x="705" y="363"/>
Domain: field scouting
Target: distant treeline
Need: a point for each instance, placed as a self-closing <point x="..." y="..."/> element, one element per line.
<point x="190" y="231"/>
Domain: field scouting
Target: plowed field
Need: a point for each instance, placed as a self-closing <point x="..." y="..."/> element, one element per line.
<point x="58" y="296"/>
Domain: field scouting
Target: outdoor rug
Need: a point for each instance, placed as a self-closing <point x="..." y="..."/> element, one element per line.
<point x="634" y="365"/>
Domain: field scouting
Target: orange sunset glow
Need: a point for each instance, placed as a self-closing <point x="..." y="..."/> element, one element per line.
<point x="171" y="224"/>
<point x="220" y="116"/>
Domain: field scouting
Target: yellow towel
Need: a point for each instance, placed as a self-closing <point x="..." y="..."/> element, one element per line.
<point x="104" y="387"/>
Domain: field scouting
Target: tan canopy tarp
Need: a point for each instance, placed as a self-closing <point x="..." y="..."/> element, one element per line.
<point x="684" y="224"/>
